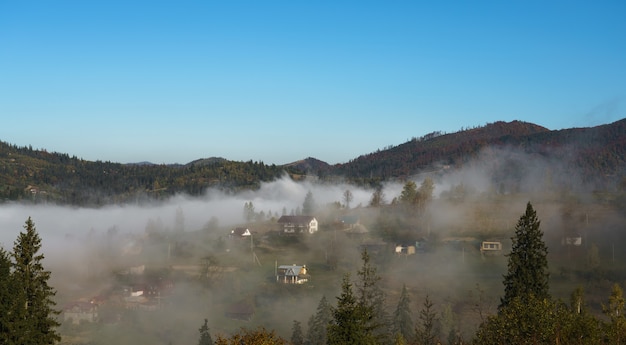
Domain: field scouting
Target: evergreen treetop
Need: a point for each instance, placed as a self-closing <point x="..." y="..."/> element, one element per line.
<point x="527" y="273"/>
<point x="297" y="336"/>
<point x="349" y="324"/>
<point x="402" y="320"/>
<point x="6" y="299"/>
<point x="318" y="323"/>
<point x="372" y="300"/>
<point x="32" y="317"/>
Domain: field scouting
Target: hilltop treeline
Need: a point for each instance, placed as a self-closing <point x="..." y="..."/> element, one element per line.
<point x="40" y="176"/>
<point x="597" y="155"/>
<point x="597" y="151"/>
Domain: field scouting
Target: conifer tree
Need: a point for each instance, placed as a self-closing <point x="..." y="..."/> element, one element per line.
<point x="33" y="318"/>
<point x="372" y="300"/>
<point x="205" y="335"/>
<point x="248" y="211"/>
<point x="427" y="331"/>
<point x="348" y="324"/>
<point x="402" y="320"/>
<point x="308" y="207"/>
<point x="378" y="197"/>
<point x="409" y="194"/>
<point x="526" y="314"/>
<point x="425" y="192"/>
<point x="297" y="337"/>
<point x="5" y="295"/>
<point x="527" y="264"/>
<point x="318" y="323"/>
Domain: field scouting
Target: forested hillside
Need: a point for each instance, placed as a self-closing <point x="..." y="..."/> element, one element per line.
<point x="597" y="154"/>
<point x="27" y="174"/>
<point x="419" y="154"/>
<point x="595" y="151"/>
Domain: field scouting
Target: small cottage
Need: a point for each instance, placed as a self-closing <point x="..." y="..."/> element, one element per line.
<point x="292" y="274"/>
<point x="405" y="249"/>
<point x="491" y="247"/>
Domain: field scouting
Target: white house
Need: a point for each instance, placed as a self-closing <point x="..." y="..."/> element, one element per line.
<point x="298" y="224"/>
<point x="491" y="247"/>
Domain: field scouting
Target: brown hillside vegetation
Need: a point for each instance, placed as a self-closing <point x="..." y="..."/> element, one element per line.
<point x="597" y="154"/>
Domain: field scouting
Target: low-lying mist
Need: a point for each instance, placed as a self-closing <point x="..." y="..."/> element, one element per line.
<point x="85" y="248"/>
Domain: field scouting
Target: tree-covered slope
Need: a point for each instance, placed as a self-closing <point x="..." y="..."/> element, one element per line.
<point x="28" y="174"/>
<point x="597" y="153"/>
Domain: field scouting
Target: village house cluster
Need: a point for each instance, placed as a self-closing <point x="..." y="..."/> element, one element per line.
<point x="136" y="290"/>
<point x="140" y="292"/>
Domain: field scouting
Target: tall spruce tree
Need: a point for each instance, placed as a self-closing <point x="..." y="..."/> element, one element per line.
<point x="318" y="323"/>
<point x="526" y="314"/>
<point x="309" y="206"/>
<point x="348" y="324"/>
<point x="409" y="194"/>
<point x="33" y="317"/>
<point x="402" y="320"/>
<point x="372" y="301"/>
<point x="528" y="263"/>
<point x="5" y="296"/>
<point x="297" y="337"/>
<point x="427" y="330"/>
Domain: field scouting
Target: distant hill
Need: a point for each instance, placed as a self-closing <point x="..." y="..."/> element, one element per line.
<point x="599" y="150"/>
<point x="422" y="153"/>
<point x="311" y="166"/>
<point x="207" y="161"/>
<point x="597" y="153"/>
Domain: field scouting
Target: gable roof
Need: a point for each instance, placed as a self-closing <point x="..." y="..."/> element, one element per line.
<point x="290" y="270"/>
<point x="240" y="232"/>
<point x="296" y="219"/>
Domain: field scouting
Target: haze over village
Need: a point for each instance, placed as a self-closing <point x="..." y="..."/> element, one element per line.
<point x="312" y="173"/>
<point x="266" y="257"/>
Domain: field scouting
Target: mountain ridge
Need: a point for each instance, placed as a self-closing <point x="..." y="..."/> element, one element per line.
<point x="27" y="174"/>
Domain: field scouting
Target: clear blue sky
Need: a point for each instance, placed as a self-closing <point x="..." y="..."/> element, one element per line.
<point x="278" y="81"/>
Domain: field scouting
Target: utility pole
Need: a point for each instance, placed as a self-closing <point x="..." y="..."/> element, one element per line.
<point x="255" y="259"/>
